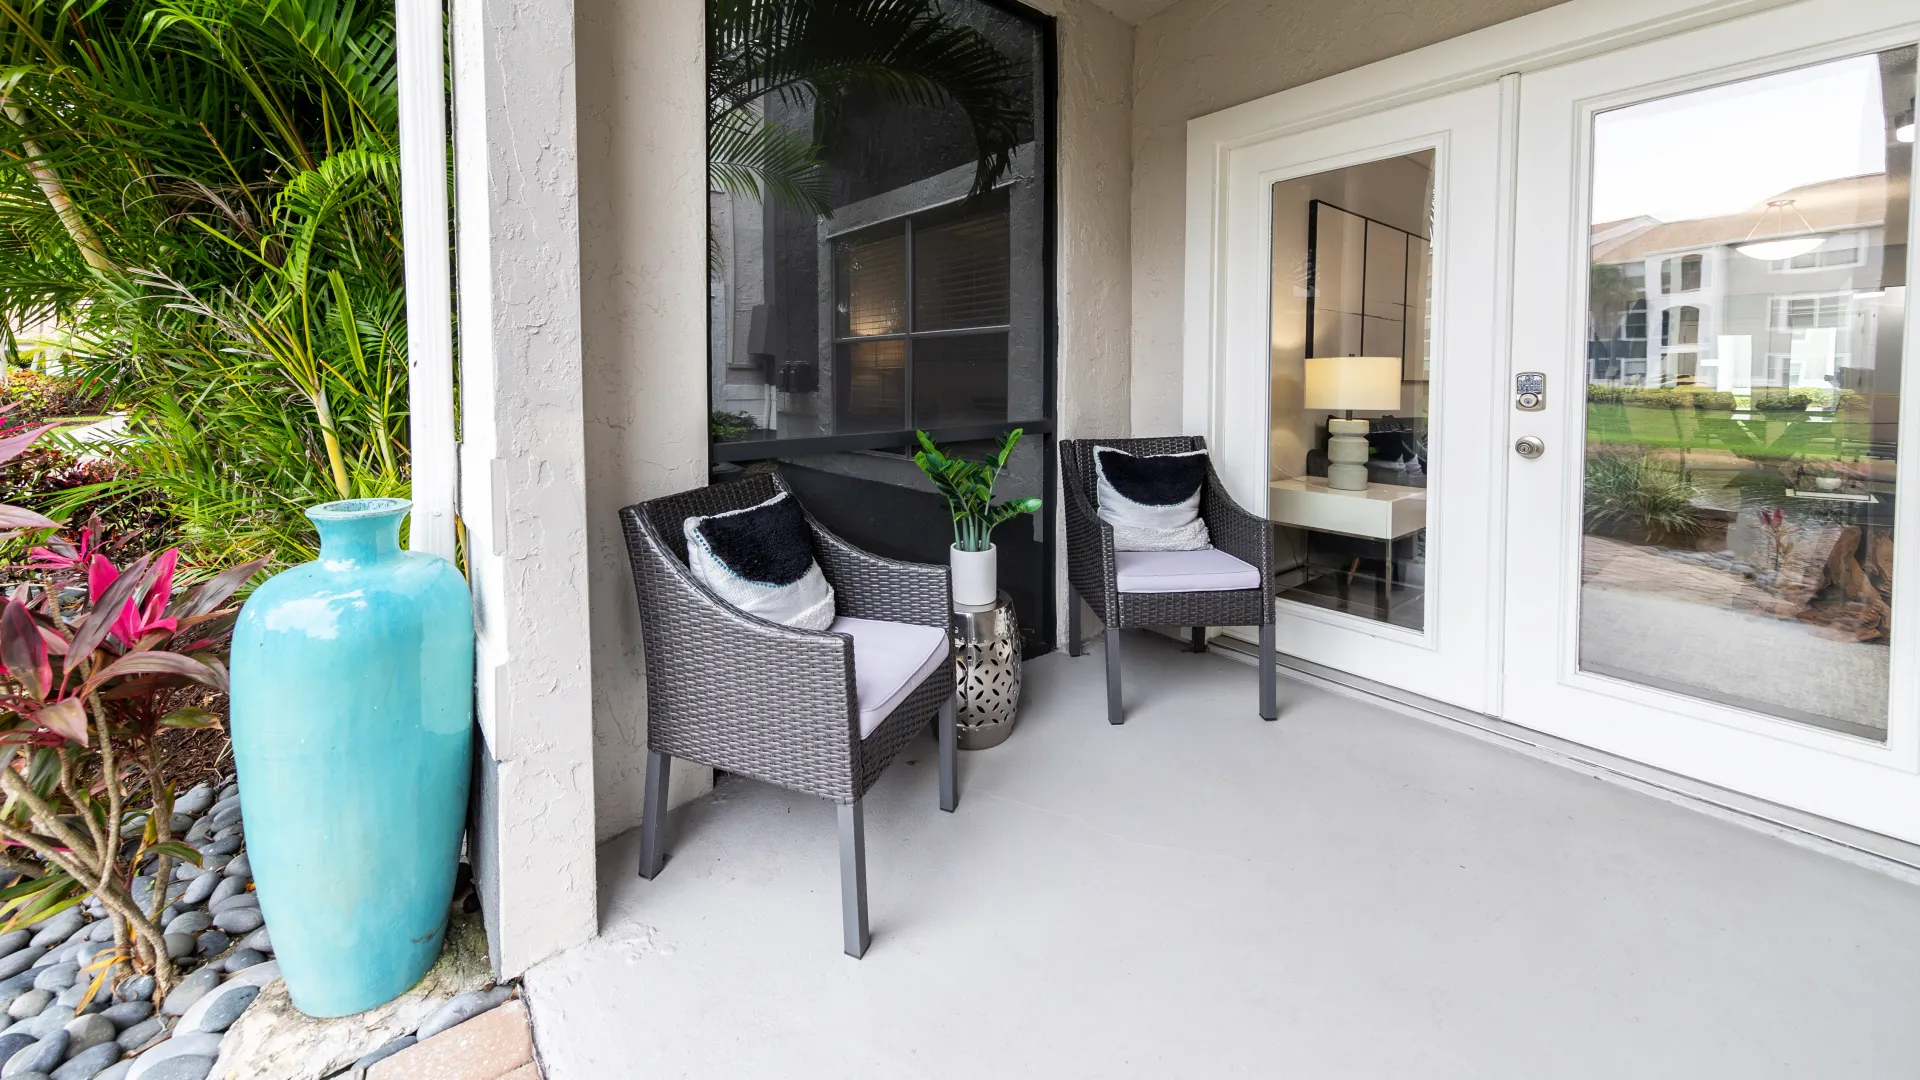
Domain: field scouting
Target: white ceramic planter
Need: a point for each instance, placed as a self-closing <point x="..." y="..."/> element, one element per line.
<point x="975" y="577"/>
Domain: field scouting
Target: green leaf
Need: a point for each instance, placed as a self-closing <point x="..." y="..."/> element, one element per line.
<point x="190" y="718"/>
<point x="177" y="849"/>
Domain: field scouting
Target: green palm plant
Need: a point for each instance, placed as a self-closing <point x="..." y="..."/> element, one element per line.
<point x="822" y="54"/>
<point x="204" y="196"/>
<point x="968" y="489"/>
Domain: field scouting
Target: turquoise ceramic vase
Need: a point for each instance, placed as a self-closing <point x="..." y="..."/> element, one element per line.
<point x="352" y="733"/>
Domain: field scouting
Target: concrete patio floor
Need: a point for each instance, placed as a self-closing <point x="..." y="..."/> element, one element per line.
<point x="1348" y="892"/>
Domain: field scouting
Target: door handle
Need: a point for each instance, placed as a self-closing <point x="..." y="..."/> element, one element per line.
<point x="1529" y="447"/>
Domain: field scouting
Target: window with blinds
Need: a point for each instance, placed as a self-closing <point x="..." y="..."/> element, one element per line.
<point x="922" y="314"/>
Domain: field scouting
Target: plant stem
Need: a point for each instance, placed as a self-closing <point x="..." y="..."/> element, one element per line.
<point x="55" y="190"/>
<point x="115" y="802"/>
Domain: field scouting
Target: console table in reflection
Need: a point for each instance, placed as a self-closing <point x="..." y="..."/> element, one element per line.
<point x="1383" y="512"/>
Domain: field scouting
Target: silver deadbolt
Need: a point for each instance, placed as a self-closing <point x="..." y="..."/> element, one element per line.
<point x="1529" y="447"/>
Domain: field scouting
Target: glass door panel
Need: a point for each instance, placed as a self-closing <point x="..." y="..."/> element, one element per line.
<point x="1349" y="442"/>
<point x="1746" y="303"/>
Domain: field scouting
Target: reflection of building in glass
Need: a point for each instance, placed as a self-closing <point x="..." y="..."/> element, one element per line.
<point x="1674" y="304"/>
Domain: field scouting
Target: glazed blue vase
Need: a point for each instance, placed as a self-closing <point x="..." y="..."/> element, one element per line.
<point x="352" y="720"/>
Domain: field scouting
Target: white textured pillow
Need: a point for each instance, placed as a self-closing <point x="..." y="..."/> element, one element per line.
<point x="1152" y="502"/>
<point x="760" y="560"/>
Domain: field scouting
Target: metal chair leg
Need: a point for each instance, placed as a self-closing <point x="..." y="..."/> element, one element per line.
<point x="1113" y="677"/>
<point x="853" y="879"/>
<point x="1073" y="623"/>
<point x="653" y="815"/>
<point x="1269" y="675"/>
<point x="949" y="753"/>
<point x="1199" y="639"/>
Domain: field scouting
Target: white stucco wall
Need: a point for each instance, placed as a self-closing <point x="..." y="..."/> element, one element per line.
<point x="522" y="467"/>
<point x="1200" y="56"/>
<point x="643" y="259"/>
<point x="1094" y="69"/>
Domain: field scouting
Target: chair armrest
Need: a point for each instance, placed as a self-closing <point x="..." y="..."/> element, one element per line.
<point x="1091" y="567"/>
<point x="869" y="586"/>
<point x="1235" y="530"/>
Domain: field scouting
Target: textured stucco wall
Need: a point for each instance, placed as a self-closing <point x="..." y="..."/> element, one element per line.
<point x="643" y="256"/>
<point x="1200" y="56"/>
<point x="522" y="470"/>
<point x="1094" y="69"/>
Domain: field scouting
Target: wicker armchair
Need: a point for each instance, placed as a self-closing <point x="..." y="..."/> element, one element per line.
<point x="771" y="702"/>
<point x="1094" y="568"/>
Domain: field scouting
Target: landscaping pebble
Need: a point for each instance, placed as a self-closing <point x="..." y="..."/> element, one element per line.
<point x="194" y="1044"/>
<point x="463" y="1008"/>
<point x="384" y="1052"/>
<point x="240" y="867"/>
<point x="86" y="1032"/>
<point x="42" y="1056"/>
<point x="226" y="889"/>
<point x="221" y="847"/>
<point x="212" y="943"/>
<point x="179" y="945"/>
<point x="196" y="801"/>
<point x="69" y="998"/>
<point x="179" y="823"/>
<point x="138" y="988"/>
<point x="16" y="962"/>
<point x="89" y="1063"/>
<point x="242" y="959"/>
<point x="102" y="930"/>
<point x="201" y="887"/>
<point x="190" y="923"/>
<point x="30" y="1003"/>
<point x="13" y="1042"/>
<point x="59" y="927"/>
<point x="14" y="941"/>
<point x="226" y="817"/>
<point x="224" y="1006"/>
<point x="237" y="900"/>
<point x="189" y="990"/>
<point x="57" y="977"/>
<point x="239" y="920"/>
<point x="139" y="1035"/>
<point x="259" y="940"/>
<point x="190" y="1067"/>
<point x="116" y="1072"/>
<point x="127" y="1013"/>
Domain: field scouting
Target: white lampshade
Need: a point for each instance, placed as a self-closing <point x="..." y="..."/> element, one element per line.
<point x="1353" y="382"/>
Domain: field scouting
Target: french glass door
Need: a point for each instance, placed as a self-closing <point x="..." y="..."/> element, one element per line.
<point x="1710" y="564"/>
<point x="1357" y="408"/>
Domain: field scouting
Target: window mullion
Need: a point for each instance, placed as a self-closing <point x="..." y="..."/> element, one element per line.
<point x="907" y="363"/>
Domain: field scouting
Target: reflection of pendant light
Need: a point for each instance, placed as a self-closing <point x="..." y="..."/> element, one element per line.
<point x="1769" y="250"/>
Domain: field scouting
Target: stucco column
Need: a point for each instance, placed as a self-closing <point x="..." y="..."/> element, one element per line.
<point x="522" y="471"/>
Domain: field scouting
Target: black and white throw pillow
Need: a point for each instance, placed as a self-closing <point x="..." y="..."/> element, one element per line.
<point x="760" y="560"/>
<point x="1153" y="502"/>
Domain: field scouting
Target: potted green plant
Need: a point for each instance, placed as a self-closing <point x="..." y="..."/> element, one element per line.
<point x="968" y="489"/>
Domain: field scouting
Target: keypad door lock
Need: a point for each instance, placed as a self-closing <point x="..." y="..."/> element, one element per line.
<point x="1530" y="391"/>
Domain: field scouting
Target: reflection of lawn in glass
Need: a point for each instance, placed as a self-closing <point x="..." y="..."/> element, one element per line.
<point x="1771" y="435"/>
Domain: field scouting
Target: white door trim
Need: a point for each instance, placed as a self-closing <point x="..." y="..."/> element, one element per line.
<point x="1556" y="35"/>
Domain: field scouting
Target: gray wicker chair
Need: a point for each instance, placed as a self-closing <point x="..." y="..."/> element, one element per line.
<point x="771" y="702"/>
<point x="1093" y="572"/>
